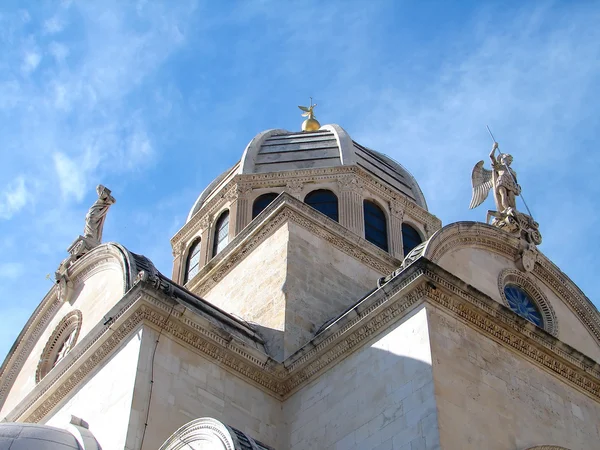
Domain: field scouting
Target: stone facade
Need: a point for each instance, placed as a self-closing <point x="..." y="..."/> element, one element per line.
<point x="302" y="333"/>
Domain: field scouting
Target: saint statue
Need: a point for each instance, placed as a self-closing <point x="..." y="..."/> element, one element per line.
<point x="94" y="219"/>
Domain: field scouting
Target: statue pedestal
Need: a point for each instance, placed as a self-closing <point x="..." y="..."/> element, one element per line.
<point x="77" y="249"/>
<point x="81" y="246"/>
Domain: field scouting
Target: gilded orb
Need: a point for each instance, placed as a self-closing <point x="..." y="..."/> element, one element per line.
<point x="311" y="125"/>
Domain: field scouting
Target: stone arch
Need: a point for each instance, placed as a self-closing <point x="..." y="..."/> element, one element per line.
<point x="547" y="447"/>
<point x="66" y="330"/>
<point x="406" y="228"/>
<point x="101" y="257"/>
<point x="482" y="236"/>
<point x="220" y="232"/>
<point x="377" y="208"/>
<point x="511" y="276"/>
<point x="209" y="434"/>
<point x="319" y="197"/>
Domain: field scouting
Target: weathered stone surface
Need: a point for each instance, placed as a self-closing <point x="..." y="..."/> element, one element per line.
<point x="488" y="397"/>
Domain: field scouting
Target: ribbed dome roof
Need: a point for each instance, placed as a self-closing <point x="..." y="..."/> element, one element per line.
<point x="280" y="150"/>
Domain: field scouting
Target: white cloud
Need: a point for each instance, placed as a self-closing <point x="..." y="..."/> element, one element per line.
<point x="53" y="25"/>
<point x="71" y="176"/>
<point x="31" y="60"/>
<point x="14" y="198"/>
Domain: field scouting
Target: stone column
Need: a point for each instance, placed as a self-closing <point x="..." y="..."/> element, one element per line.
<point x="178" y="262"/>
<point x="294" y="188"/>
<point x="395" y="231"/>
<point x="351" y="204"/>
<point x="240" y="210"/>
<point x="206" y="226"/>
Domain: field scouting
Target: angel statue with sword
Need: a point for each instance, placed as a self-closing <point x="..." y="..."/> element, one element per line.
<point x="503" y="180"/>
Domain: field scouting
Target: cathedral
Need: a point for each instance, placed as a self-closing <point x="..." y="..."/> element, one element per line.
<point x="314" y="303"/>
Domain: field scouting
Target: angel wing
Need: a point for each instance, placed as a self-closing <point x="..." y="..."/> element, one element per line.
<point x="304" y="108"/>
<point x="482" y="183"/>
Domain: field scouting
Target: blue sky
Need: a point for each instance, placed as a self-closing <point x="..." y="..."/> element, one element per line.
<point x="155" y="99"/>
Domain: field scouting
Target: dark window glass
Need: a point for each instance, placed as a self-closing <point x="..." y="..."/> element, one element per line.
<point x="410" y="238"/>
<point x="192" y="265"/>
<point x="221" y="233"/>
<point x="375" y="225"/>
<point x="522" y="304"/>
<point x="262" y="202"/>
<point x="325" y="202"/>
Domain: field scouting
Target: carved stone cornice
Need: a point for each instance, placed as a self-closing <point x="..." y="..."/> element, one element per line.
<point x="306" y="176"/>
<point x="352" y="183"/>
<point x="480" y="235"/>
<point x="294" y="188"/>
<point x="397" y="209"/>
<point x="282" y="210"/>
<point x="33" y="330"/>
<point x="422" y="282"/>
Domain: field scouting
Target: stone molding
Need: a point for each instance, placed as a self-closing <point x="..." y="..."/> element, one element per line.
<point x="512" y="276"/>
<point x="480" y="235"/>
<point x="205" y="429"/>
<point x="278" y="179"/>
<point x="547" y="447"/>
<point x="282" y="210"/>
<point x="71" y="322"/>
<point x="100" y="258"/>
<point x="30" y="335"/>
<point x="423" y="282"/>
<point x="103" y="257"/>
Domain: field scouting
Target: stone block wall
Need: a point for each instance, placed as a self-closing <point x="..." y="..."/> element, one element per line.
<point x="490" y="397"/>
<point x="381" y="397"/>
<point x="104" y="401"/>
<point x="93" y="296"/>
<point x="290" y="285"/>
<point x="321" y="283"/>
<point x="188" y="386"/>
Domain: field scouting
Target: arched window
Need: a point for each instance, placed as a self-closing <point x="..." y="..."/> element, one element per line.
<point x="410" y="238"/>
<point x="221" y="233"/>
<point x="192" y="264"/>
<point x="375" y="225"/>
<point x="521" y="303"/>
<point x="262" y="202"/>
<point x="325" y="202"/>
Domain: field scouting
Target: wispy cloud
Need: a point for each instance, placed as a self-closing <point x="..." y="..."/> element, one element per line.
<point x="74" y="113"/>
<point x="14" y="198"/>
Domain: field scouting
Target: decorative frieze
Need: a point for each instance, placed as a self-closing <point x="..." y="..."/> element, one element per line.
<point x="421" y="282"/>
<point x="356" y="178"/>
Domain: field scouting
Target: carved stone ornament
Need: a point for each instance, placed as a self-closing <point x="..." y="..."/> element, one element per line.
<point x="61" y="342"/>
<point x="94" y="219"/>
<point x="178" y="249"/>
<point x="92" y="234"/>
<point x="527" y="258"/>
<point x="396" y="209"/>
<point x="525" y="282"/>
<point x="294" y="187"/>
<point x="502" y="179"/>
<point x="351" y="183"/>
<point x="243" y="190"/>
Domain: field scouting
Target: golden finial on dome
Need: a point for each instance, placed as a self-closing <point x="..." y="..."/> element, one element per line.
<point x="311" y="123"/>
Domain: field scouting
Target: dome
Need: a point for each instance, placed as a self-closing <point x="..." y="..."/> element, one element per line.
<point x="36" y="437"/>
<point x="280" y="150"/>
